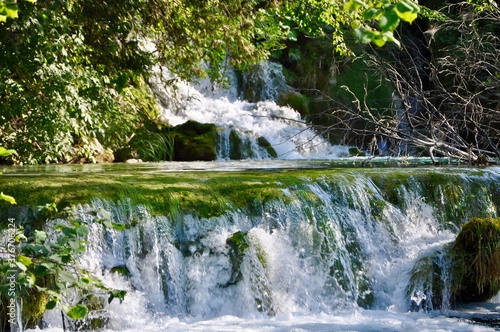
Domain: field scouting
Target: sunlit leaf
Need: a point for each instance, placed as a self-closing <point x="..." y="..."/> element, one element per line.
<point x="86" y="280"/>
<point x="3" y="151"/>
<point x="11" y="10"/>
<point x="407" y="10"/>
<point x="79" y="311"/>
<point x="7" y="198"/>
<point x="26" y="261"/>
<point x="21" y="266"/>
<point x="118" y="227"/>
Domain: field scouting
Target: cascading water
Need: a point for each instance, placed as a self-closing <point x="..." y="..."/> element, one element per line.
<point x="281" y="126"/>
<point x="335" y="253"/>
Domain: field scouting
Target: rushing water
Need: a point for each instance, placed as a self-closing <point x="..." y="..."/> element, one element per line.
<point x="336" y="255"/>
<point x="331" y="254"/>
<point x="281" y="126"/>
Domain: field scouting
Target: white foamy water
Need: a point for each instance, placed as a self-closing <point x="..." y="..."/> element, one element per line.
<point x="301" y="267"/>
<point x="282" y="126"/>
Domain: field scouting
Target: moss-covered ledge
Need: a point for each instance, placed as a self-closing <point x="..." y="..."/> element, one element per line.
<point x="205" y="193"/>
<point x="208" y="193"/>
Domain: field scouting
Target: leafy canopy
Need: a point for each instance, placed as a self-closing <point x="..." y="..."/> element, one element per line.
<point x="73" y="73"/>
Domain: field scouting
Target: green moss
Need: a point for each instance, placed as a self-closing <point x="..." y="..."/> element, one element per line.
<point x="238" y="244"/>
<point x="194" y="141"/>
<point x="239" y="148"/>
<point x="477" y="260"/>
<point x="426" y="279"/>
<point x="207" y="194"/>
<point x="295" y="100"/>
<point x="264" y="143"/>
<point x="33" y="308"/>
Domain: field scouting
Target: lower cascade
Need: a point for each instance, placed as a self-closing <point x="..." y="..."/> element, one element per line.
<point x="355" y="250"/>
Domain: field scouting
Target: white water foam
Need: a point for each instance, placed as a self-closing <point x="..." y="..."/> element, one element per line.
<point x="182" y="270"/>
<point x="282" y="126"/>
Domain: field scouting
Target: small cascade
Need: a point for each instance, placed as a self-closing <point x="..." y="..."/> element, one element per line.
<point x="264" y="81"/>
<point x="337" y="243"/>
<point x="282" y="127"/>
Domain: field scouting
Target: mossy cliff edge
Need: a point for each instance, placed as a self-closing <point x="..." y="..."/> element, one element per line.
<point x="455" y="195"/>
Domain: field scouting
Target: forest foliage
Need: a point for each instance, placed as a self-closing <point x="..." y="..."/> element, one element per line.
<point x="73" y="73"/>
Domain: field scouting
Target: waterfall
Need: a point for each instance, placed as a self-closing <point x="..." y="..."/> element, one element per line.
<point x="340" y="243"/>
<point x="206" y="102"/>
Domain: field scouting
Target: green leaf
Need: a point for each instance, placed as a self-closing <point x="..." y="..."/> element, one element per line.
<point x="363" y="35"/>
<point x="407" y="10"/>
<point x="378" y="40"/>
<point x="118" y="227"/>
<point x="79" y="311"/>
<point x="389" y="21"/>
<point x="3" y="151"/>
<point x="103" y="214"/>
<point x="67" y="276"/>
<point x="389" y="36"/>
<point x="7" y="198"/>
<point x="86" y="280"/>
<point x="30" y="279"/>
<point x="37" y="250"/>
<point x="50" y="305"/>
<point x="26" y="261"/>
<point x="48" y="265"/>
<point x="353" y="5"/>
<point x="21" y="266"/>
<point x="11" y="10"/>
<point x="40" y="236"/>
<point x="372" y="13"/>
<point x="82" y="230"/>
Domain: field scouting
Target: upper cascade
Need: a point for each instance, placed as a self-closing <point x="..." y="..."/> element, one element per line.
<point x="206" y="102"/>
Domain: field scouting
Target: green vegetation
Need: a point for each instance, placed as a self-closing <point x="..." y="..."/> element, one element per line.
<point x="46" y="270"/>
<point x="73" y="73"/>
<point x="469" y="268"/>
<point x="194" y="141"/>
<point x="477" y="261"/>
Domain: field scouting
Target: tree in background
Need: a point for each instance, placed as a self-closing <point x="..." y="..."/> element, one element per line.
<point x="73" y="72"/>
<point x="446" y="82"/>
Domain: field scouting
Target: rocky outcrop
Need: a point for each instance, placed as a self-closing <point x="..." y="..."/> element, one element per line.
<point x="194" y="141"/>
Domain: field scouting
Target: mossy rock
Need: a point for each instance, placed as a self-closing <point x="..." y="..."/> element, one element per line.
<point x="194" y="141"/>
<point x="425" y="288"/>
<point x="33" y="308"/>
<point x="239" y="148"/>
<point x="476" y="267"/>
<point x="95" y="319"/>
<point x="237" y="243"/>
<point x="295" y="100"/>
<point x="264" y="143"/>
